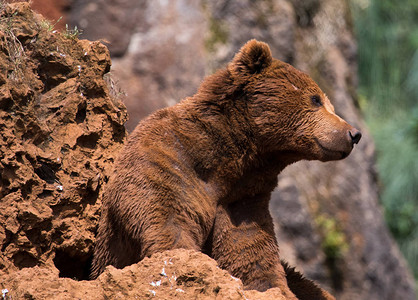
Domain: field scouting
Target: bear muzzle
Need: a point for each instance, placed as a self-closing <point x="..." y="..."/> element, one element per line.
<point x="338" y="144"/>
<point x="355" y="136"/>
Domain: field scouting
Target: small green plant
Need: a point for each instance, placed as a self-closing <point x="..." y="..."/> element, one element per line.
<point x="48" y="25"/>
<point x="334" y="242"/>
<point x="72" y="33"/>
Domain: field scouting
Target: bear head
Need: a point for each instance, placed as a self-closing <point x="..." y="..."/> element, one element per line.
<point x="290" y="114"/>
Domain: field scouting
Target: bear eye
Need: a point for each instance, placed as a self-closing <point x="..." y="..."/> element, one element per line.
<point x="316" y="100"/>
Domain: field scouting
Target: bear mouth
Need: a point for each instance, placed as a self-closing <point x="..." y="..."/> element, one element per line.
<point x="341" y="154"/>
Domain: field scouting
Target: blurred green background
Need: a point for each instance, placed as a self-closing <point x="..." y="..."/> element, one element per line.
<point x="387" y="34"/>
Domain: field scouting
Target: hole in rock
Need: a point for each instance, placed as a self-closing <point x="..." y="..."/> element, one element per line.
<point x="81" y="113"/>
<point x="119" y="132"/>
<point x="6" y="104"/>
<point x="23" y="259"/>
<point x="74" y="267"/>
<point x="4" y="183"/>
<point x="46" y="172"/>
<point x="26" y="189"/>
<point x="88" y="141"/>
<point x="45" y="194"/>
<point x="8" y="240"/>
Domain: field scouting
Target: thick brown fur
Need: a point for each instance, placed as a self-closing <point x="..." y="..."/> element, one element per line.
<point x="199" y="175"/>
<point x="304" y="289"/>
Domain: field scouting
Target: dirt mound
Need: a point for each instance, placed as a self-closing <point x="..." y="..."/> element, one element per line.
<point x="175" y="274"/>
<point x="60" y="132"/>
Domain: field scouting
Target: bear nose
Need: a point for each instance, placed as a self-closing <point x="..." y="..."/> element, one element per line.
<point x="355" y="136"/>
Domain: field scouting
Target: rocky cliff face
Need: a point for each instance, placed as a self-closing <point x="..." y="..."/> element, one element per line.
<point x="60" y="130"/>
<point x="62" y="126"/>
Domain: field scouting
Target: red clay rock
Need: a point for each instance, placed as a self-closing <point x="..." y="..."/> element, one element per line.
<point x="60" y="132"/>
<point x="175" y="274"/>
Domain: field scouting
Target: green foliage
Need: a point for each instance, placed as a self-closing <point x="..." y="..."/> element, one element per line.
<point x="399" y="159"/>
<point x="218" y="34"/>
<point x="387" y="33"/>
<point x="388" y="39"/>
<point x="72" y="33"/>
<point x="334" y="242"/>
<point x="48" y="25"/>
<point x="218" y="31"/>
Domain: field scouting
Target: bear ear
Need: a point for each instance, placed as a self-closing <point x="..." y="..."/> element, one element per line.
<point x="253" y="57"/>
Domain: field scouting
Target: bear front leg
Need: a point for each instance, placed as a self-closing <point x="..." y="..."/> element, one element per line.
<point x="244" y="243"/>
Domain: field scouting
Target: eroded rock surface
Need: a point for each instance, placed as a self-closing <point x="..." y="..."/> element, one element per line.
<point x="175" y="274"/>
<point x="60" y="132"/>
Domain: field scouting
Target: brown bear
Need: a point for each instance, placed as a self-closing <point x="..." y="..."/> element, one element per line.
<point x="198" y="175"/>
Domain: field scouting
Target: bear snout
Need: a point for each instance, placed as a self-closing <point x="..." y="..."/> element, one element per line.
<point x="355" y="136"/>
<point x="338" y="143"/>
